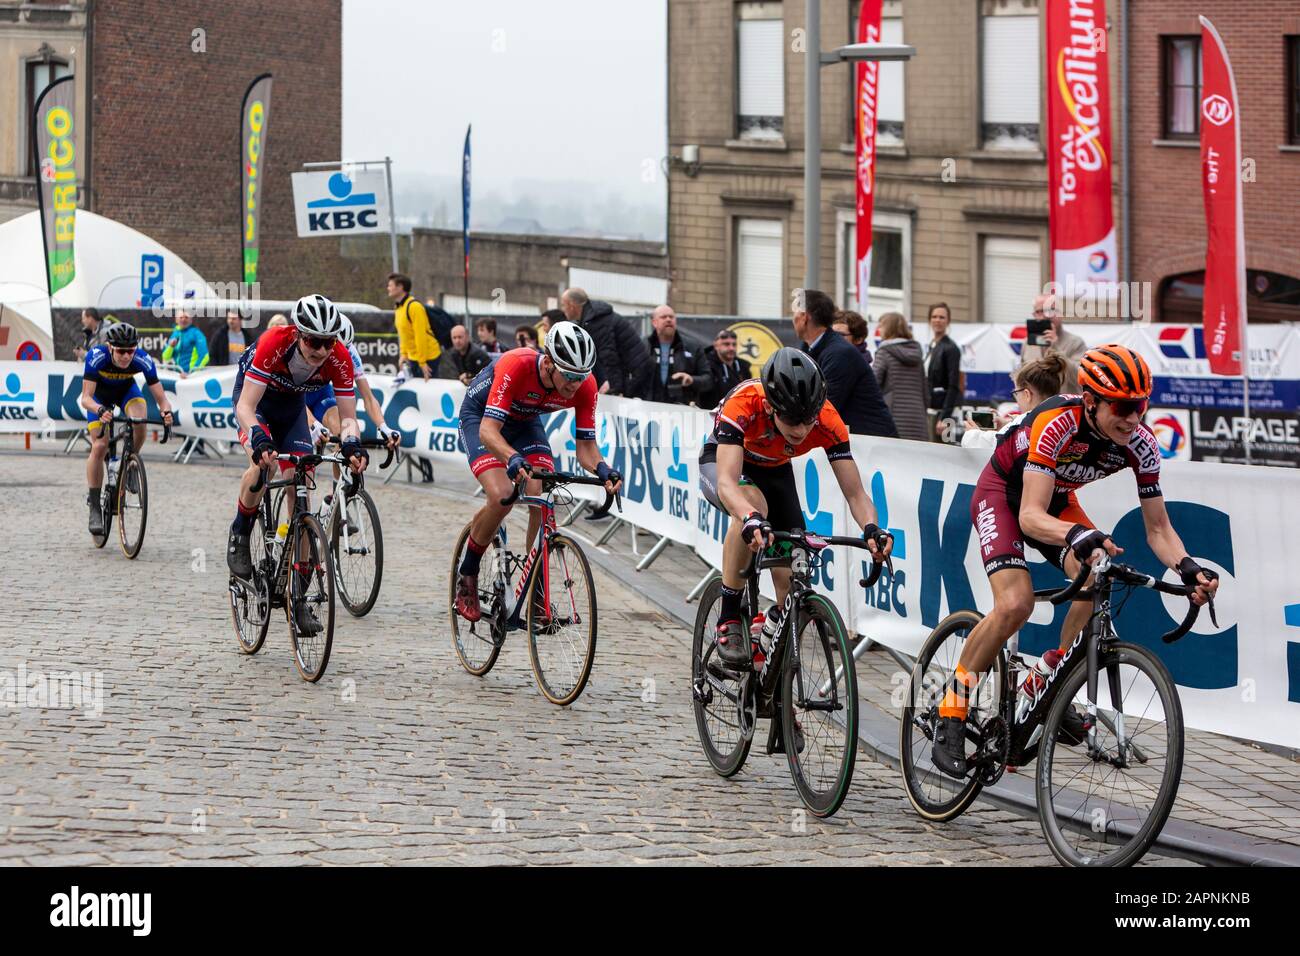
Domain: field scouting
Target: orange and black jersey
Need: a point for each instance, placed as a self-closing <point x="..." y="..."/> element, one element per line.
<point x="741" y="420"/>
<point x="1056" y="439"/>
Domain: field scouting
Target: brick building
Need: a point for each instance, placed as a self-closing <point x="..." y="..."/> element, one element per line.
<point x="961" y="189"/>
<point x="159" y="143"/>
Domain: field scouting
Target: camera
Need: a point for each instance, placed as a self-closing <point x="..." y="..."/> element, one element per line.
<point x="1034" y="329"/>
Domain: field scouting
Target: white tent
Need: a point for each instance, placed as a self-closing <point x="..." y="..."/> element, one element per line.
<point x="114" y="264"/>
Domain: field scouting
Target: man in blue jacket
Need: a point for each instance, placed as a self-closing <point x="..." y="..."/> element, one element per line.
<point x="851" y="385"/>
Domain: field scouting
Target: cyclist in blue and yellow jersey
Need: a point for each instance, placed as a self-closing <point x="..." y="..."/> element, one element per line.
<point x="186" y="346"/>
<point x="108" y="380"/>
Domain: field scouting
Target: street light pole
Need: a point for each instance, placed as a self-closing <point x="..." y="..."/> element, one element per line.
<point x="812" y="117"/>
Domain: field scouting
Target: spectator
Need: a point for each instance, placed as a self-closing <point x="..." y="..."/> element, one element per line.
<point x="526" y="338"/>
<point x="549" y="318"/>
<point x="92" y="333"/>
<point x="728" y="369"/>
<point x="680" y="369"/>
<point x="486" y="330"/>
<point x="1059" y="342"/>
<point x="277" y="320"/>
<point x="942" y="369"/>
<point x="1035" y="382"/>
<point x="620" y="352"/>
<point x="229" y="342"/>
<point x="900" y="372"/>
<point x="466" y="358"/>
<point x="853" y="327"/>
<point x="850" y="383"/>
<point x="186" y="346"/>
<point x="418" y="350"/>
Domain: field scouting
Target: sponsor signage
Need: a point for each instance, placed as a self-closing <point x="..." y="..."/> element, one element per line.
<point x="255" y="126"/>
<point x="1218" y="434"/>
<point x="340" y="203"/>
<point x="54" y="144"/>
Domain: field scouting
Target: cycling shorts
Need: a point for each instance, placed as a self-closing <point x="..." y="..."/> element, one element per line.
<point x="288" y="430"/>
<point x="996" y="517"/>
<point x="776" y="485"/>
<point x="321" y="401"/>
<point x="111" y="398"/>
<point x="527" y="437"/>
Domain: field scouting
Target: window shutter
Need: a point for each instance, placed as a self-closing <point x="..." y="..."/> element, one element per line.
<point x="1010" y="69"/>
<point x="1012" y="277"/>
<point x="762" y="77"/>
<point x="890" y="106"/>
<point x="758" y="268"/>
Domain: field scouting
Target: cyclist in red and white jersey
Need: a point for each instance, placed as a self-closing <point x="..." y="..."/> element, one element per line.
<point x="1026" y="495"/>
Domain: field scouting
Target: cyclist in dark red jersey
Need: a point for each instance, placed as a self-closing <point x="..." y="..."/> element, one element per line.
<point x="270" y="405"/>
<point x="503" y="437"/>
<point x="1026" y="495"/>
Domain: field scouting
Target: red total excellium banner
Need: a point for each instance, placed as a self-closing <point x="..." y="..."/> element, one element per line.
<point x="867" y="86"/>
<point x="1225" y="234"/>
<point x="1082" y="225"/>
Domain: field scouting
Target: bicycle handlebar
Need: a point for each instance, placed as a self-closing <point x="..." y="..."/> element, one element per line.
<point x="303" y="462"/>
<point x="819" y="541"/>
<point x="366" y="443"/>
<point x="166" y="426"/>
<point x="551" y="478"/>
<point x="1105" y="567"/>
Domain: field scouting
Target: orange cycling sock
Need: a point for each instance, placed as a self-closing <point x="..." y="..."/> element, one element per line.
<point x="954" y="701"/>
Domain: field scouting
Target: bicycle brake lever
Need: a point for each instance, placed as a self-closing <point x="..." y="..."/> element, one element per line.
<point x="1213" y="618"/>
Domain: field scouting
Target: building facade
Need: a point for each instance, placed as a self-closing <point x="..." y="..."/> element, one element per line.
<point x="961" y="211"/>
<point x="160" y="85"/>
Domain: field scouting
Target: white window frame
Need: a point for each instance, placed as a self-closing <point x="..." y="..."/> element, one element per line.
<point x="846" y="221"/>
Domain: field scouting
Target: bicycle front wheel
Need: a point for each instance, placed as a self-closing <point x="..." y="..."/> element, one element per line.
<point x="1105" y="804"/>
<point x="562" y="622"/>
<point x="358" y="545"/>
<point x="108" y="507"/>
<point x="311" y="598"/>
<point x="132" y="505"/>
<point x="250" y="601"/>
<point x="819" y="707"/>
<point x="476" y="644"/>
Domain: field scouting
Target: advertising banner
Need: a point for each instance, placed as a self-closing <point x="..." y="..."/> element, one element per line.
<point x="340" y="203"/>
<point x="1241" y="678"/>
<point x="1082" y="225"/>
<point x="255" y="125"/>
<point x="866" y="82"/>
<point x="54" y="144"/>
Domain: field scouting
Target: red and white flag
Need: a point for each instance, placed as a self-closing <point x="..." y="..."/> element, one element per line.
<point x="1225" y="234"/>
<point x="868" y="74"/>
<point x="1082" y="226"/>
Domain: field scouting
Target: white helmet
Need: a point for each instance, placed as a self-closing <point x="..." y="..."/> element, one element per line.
<point x="570" y="347"/>
<point x="316" y="315"/>
<point x="347" y="332"/>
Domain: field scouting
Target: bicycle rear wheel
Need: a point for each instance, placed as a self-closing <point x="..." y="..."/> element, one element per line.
<point x="477" y="645"/>
<point x="132" y="506"/>
<point x="358" y="552"/>
<point x="562" y="624"/>
<point x="934" y="794"/>
<point x="1106" y="808"/>
<point x="819" y="707"/>
<point x="716" y="691"/>
<point x="311" y="586"/>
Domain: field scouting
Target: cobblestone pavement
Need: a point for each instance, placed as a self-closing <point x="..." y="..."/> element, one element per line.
<point x="203" y="755"/>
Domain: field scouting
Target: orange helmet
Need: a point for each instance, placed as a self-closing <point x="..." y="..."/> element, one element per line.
<point x="1115" y="372"/>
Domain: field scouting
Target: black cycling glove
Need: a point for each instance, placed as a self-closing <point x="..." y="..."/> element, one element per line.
<point x="352" y="449"/>
<point x="755" y="522"/>
<point x="262" y="443"/>
<point x="1083" y="540"/>
<point x="873" y="532"/>
<point x="517" y="463"/>
<point x="1188" y="570"/>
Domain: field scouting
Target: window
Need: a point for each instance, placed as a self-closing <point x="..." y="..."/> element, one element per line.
<point x="759" y="254"/>
<point x="890" y="263"/>
<point x="1009" y="74"/>
<point x="760" y="60"/>
<point x="1293" y="90"/>
<point x="890" y="83"/>
<point x="1181" y="86"/>
<point x="40" y="74"/>
<point x="1270" y="297"/>
<point x="1012" y="276"/>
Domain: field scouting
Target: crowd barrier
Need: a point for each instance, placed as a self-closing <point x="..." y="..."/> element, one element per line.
<point x="1242" y="678"/>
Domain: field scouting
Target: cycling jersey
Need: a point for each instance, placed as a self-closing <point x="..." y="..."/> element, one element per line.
<point x="741" y="420"/>
<point x="113" y="383"/>
<point x="278" y="363"/>
<point x="511" y="389"/>
<point x="1054" y="439"/>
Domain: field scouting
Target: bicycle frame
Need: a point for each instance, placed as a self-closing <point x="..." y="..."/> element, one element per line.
<point x="529" y="565"/>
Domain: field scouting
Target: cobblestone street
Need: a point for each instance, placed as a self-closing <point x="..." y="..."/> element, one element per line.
<point x="204" y="755"/>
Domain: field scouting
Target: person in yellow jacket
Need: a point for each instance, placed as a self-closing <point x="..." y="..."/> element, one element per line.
<point x="418" y="349"/>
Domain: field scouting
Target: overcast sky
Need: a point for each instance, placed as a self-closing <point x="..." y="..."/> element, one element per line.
<point x="569" y="92"/>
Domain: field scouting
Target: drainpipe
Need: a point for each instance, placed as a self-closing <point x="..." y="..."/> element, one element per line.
<point x="1126" y="192"/>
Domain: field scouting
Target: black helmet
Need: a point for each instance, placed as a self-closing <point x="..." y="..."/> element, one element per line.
<point x="122" y="335"/>
<point x="794" y="385"/>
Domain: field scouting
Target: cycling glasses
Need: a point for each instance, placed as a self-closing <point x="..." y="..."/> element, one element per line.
<point x="129" y="350"/>
<point x="1126" y="407"/>
<point x="797" y="423"/>
<point x="573" y="376"/>
<point x="317" y="342"/>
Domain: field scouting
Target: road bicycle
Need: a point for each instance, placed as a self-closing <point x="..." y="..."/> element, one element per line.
<point x="125" y="491"/>
<point x="351" y="522"/>
<point x="805" y="682"/>
<point x="548" y="592"/>
<point x="293" y="569"/>
<point x="1103" y="799"/>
